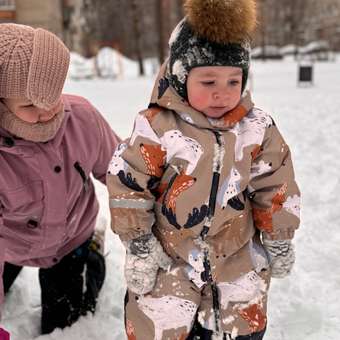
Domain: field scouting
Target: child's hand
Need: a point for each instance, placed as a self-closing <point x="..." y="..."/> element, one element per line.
<point x="144" y="257"/>
<point x="281" y="255"/>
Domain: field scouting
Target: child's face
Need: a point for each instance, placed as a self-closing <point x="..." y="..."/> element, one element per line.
<point x="26" y="111"/>
<point x="214" y="90"/>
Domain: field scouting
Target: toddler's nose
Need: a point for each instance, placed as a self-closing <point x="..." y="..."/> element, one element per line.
<point x="219" y="95"/>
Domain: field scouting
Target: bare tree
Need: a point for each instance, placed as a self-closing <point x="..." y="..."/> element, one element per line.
<point x="137" y="35"/>
<point x="178" y="10"/>
<point x="296" y="10"/>
<point x="137" y="28"/>
<point x="160" y="29"/>
<point x="262" y="27"/>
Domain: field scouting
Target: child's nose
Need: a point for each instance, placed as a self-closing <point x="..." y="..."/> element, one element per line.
<point x="45" y="115"/>
<point x="216" y="95"/>
<point x="220" y="94"/>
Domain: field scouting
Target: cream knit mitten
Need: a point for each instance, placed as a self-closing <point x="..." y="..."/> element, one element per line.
<point x="144" y="257"/>
<point x="281" y="255"/>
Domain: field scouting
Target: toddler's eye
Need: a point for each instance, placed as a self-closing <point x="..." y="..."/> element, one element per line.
<point x="208" y="83"/>
<point x="234" y="82"/>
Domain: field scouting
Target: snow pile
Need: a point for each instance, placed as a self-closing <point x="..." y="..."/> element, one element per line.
<point x="80" y="67"/>
<point x="108" y="63"/>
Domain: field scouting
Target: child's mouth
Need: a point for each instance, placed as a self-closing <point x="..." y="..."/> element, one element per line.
<point x="219" y="108"/>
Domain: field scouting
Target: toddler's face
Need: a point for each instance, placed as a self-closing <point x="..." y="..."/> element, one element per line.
<point x="26" y="111"/>
<point x="214" y="90"/>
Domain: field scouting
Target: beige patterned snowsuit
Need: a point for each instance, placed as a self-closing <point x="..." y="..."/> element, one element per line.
<point x="181" y="173"/>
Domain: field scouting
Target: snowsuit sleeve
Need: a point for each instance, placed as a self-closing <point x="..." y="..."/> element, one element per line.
<point x="107" y="142"/>
<point x="272" y="188"/>
<point x="134" y="171"/>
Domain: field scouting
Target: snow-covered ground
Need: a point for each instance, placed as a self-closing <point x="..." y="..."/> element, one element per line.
<point x="304" y="306"/>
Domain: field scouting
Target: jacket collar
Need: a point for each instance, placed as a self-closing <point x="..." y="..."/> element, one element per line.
<point x="164" y="95"/>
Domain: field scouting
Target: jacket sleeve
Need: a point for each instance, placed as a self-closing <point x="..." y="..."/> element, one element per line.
<point x="107" y="142"/>
<point x="2" y="261"/>
<point x="134" y="171"/>
<point x="272" y="189"/>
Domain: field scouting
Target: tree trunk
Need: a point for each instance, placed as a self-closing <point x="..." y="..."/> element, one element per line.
<point x="160" y="28"/>
<point x="137" y="34"/>
<point x="179" y="10"/>
<point x="263" y="29"/>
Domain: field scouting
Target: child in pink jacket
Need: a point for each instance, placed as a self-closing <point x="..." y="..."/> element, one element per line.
<point x="50" y="144"/>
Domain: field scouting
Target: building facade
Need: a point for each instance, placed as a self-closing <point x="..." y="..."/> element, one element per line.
<point x="7" y="11"/>
<point x="47" y="14"/>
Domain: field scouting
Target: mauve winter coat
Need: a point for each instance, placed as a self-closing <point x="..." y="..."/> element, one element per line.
<point x="48" y="205"/>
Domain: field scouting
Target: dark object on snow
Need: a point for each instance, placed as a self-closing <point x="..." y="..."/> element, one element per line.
<point x="305" y="74"/>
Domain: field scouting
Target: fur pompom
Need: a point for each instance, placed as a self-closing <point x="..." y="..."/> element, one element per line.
<point x="222" y="21"/>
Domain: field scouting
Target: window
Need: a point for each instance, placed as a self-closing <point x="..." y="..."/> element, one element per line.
<point x="7" y="5"/>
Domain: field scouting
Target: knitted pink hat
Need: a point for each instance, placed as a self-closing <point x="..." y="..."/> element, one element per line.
<point x="33" y="64"/>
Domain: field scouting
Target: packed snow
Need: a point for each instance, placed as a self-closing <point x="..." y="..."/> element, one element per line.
<point x="303" y="306"/>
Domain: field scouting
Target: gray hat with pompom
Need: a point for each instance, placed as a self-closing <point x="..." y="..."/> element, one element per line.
<point x="213" y="33"/>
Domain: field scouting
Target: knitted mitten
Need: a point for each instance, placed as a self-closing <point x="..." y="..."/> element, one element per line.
<point x="281" y="255"/>
<point x="144" y="256"/>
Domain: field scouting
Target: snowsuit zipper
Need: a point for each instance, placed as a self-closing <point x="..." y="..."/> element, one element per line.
<point x="217" y="166"/>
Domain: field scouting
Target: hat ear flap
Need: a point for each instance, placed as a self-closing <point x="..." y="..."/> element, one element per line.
<point x="48" y="69"/>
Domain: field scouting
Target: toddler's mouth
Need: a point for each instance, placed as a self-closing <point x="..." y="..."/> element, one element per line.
<point x="219" y="108"/>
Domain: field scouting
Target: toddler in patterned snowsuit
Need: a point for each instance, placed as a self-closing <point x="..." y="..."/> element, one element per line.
<point x="203" y="194"/>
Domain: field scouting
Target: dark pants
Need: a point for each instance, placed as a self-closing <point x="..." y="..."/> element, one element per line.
<point x="199" y="333"/>
<point x="62" y="297"/>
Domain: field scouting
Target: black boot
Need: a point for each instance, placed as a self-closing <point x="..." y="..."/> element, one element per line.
<point x="9" y="275"/>
<point x="252" y="336"/>
<point x="200" y="333"/>
<point x="61" y="293"/>
<point x="62" y="297"/>
<point x="95" y="276"/>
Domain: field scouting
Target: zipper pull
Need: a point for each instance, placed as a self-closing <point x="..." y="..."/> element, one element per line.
<point x="82" y="174"/>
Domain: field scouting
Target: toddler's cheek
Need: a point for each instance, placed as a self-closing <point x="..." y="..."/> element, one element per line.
<point x="199" y="100"/>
